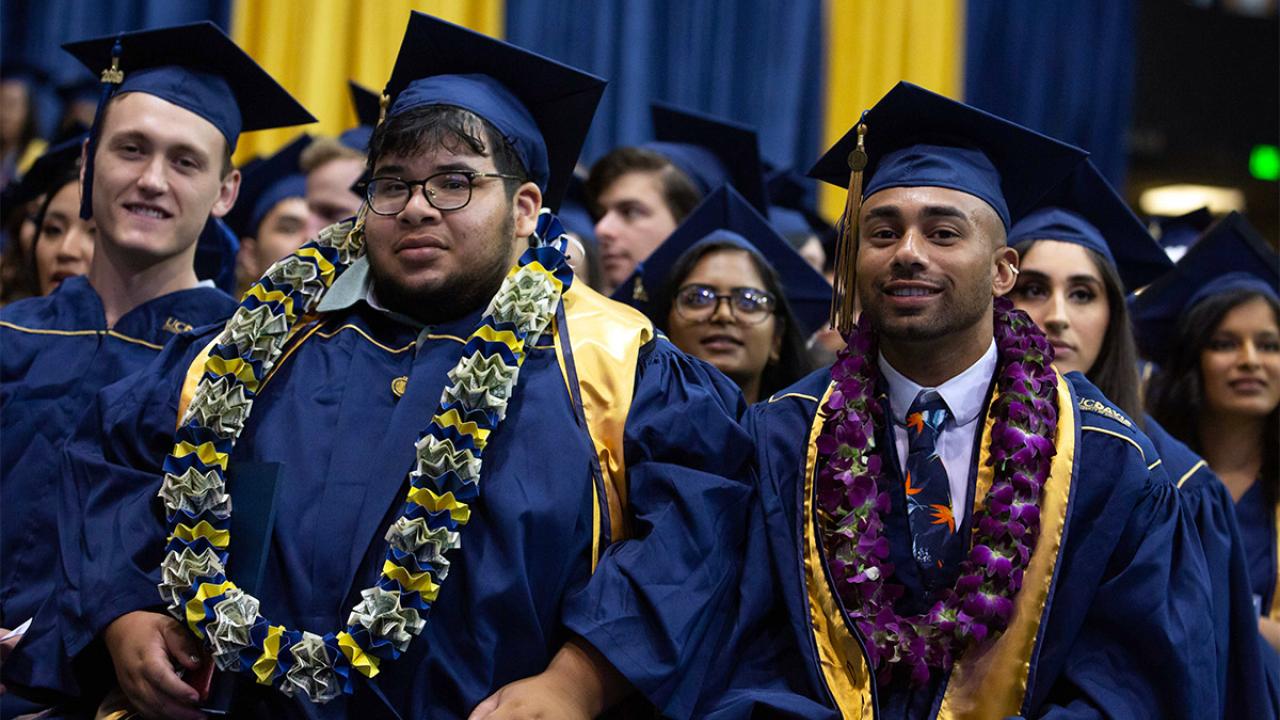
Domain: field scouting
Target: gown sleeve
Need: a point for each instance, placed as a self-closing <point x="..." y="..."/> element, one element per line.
<point x="656" y="606"/>
<point x="111" y="527"/>
<point x="1242" y="670"/>
<point x="1128" y="635"/>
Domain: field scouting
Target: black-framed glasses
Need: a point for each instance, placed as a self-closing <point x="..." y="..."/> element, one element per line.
<point x="449" y="190"/>
<point x="697" y="303"/>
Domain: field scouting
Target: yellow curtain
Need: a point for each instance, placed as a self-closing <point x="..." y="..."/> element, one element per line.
<point x="312" y="47"/>
<point x="871" y="45"/>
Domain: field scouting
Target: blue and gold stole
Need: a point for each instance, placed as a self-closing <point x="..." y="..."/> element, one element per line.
<point x="987" y="681"/>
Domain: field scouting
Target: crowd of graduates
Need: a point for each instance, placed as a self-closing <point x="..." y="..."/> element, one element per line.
<point x="1022" y="460"/>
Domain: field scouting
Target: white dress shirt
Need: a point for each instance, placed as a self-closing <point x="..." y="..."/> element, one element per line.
<point x="965" y="395"/>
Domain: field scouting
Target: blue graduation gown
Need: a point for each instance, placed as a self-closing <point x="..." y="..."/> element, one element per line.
<point x="56" y="353"/>
<point x="523" y="581"/>
<point x="1258" y="530"/>
<point x="1121" y="633"/>
<point x="1243" y="671"/>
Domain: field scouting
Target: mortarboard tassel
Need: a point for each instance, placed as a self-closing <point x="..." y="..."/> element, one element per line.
<point x="110" y="79"/>
<point x="844" y="284"/>
<point x="383" y="101"/>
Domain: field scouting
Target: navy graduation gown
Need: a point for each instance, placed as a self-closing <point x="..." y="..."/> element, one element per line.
<point x="1258" y="528"/>
<point x="1121" y="635"/>
<point x="1258" y="531"/>
<point x="523" y="582"/>
<point x="1243" y="682"/>
<point x="56" y="353"/>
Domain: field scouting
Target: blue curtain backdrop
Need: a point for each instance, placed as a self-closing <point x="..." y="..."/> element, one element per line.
<point x="34" y="30"/>
<point x="1063" y="67"/>
<point x="755" y="61"/>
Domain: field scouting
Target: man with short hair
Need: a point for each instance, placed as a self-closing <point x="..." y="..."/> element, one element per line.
<point x="497" y="494"/>
<point x="953" y="528"/>
<point x="271" y="218"/>
<point x="331" y="168"/>
<point x="155" y="170"/>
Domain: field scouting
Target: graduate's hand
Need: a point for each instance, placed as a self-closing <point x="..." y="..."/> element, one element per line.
<point x="1270" y="630"/>
<point x="533" y="698"/>
<point x="7" y="646"/>
<point x="578" y="684"/>
<point x="145" y="647"/>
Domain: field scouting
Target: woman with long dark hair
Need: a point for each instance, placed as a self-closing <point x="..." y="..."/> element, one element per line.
<point x="1079" y="257"/>
<point x="1213" y="326"/>
<point x="64" y="242"/>
<point x="727" y="289"/>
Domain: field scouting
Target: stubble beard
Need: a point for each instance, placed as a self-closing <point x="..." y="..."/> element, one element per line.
<point x="957" y="317"/>
<point x="458" y="295"/>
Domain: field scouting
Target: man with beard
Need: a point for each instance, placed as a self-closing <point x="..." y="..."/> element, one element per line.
<point x="948" y="527"/>
<point x="497" y="494"/>
<point x="155" y="171"/>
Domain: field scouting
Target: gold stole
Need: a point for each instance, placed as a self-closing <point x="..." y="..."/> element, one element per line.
<point x="605" y="338"/>
<point x="1274" y="612"/>
<point x="986" y="681"/>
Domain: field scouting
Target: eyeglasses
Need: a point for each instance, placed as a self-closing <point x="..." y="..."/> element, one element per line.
<point x="698" y="303"/>
<point x="449" y="190"/>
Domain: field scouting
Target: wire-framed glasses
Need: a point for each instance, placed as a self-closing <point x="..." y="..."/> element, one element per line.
<point x="697" y="303"/>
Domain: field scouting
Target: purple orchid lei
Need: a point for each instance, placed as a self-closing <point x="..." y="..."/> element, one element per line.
<point x="852" y="494"/>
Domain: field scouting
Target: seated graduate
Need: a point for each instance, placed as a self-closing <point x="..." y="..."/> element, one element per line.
<point x="1211" y="326"/>
<point x="496" y="491"/>
<point x="1176" y="234"/>
<point x="156" y="172"/>
<point x="942" y="532"/>
<point x="270" y="217"/>
<point x="22" y="201"/>
<point x="63" y="245"/>
<point x="1077" y="255"/>
<point x="333" y="165"/>
<point x="20" y="141"/>
<point x="728" y="290"/>
<point x="639" y="194"/>
<point x="61" y="242"/>
<point x="792" y="214"/>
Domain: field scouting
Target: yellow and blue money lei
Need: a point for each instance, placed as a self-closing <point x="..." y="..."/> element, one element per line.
<point x="444" y="484"/>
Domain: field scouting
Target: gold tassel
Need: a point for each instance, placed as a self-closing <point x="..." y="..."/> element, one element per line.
<point x="383" y="102"/>
<point x="843" y="295"/>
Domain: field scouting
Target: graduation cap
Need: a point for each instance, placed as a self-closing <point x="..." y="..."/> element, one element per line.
<point x="916" y="138"/>
<point x="791" y="225"/>
<point x="196" y="67"/>
<point x="28" y="73"/>
<point x="266" y="184"/>
<point x="215" y="258"/>
<point x="573" y="212"/>
<point x="367" y="104"/>
<point x="791" y="190"/>
<point x="1085" y="210"/>
<point x="1231" y="255"/>
<point x="726" y="215"/>
<point x="1177" y="233"/>
<point x="711" y="151"/>
<point x="73" y="129"/>
<point x="542" y="108"/>
<point x="368" y="107"/>
<point x="84" y="88"/>
<point x="58" y="161"/>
